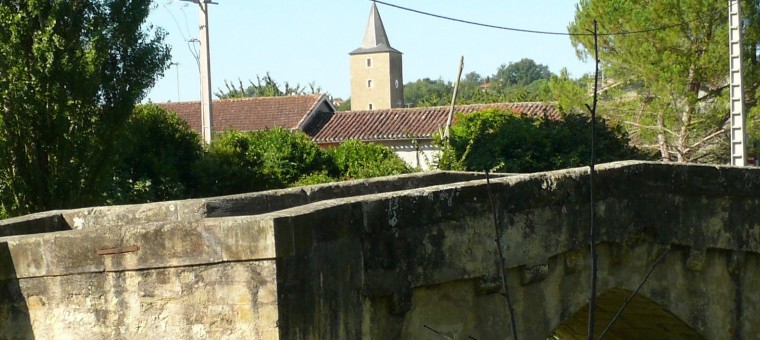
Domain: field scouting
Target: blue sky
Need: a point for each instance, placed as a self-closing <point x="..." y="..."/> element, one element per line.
<point x="304" y="41"/>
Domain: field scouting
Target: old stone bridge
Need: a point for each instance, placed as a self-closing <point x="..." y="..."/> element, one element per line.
<point x="408" y="257"/>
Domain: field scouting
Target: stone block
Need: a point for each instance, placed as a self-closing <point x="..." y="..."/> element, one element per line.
<point x="533" y="274"/>
<point x="696" y="259"/>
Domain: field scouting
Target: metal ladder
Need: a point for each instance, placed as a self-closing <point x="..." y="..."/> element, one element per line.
<point x="738" y="120"/>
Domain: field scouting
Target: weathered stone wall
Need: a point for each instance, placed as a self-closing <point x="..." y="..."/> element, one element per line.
<point x="233" y="205"/>
<point x="402" y="261"/>
<point x="213" y="301"/>
<point x="407" y="245"/>
<point x="202" y="268"/>
<point x="211" y="278"/>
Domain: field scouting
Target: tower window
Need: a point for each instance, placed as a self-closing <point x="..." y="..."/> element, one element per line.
<point x="370" y="106"/>
<point x="369" y="83"/>
<point x="369" y="62"/>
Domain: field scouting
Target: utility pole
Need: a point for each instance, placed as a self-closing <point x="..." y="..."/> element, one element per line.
<point x="737" y="114"/>
<point x="453" y="100"/>
<point x="205" y="69"/>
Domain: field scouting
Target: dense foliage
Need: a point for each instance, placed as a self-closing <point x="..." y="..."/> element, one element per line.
<point x="155" y="158"/>
<point x="522" y="81"/>
<point x="70" y="75"/>
<point x="502" y="141"/>
<point x="521" y="73"/>
<point x="356" y="159"/>
<point x="252" y="161"/>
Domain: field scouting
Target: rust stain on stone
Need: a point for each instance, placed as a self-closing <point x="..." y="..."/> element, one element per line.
<point x="119" y="250"/>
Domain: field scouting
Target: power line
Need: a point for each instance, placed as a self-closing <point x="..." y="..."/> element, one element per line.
<point x="522" y="30"/>
<point x="185" y="37"/>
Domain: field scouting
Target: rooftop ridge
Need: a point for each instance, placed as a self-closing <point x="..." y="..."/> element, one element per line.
<point x="223" y="100"/>
<point x="420" y="108"/>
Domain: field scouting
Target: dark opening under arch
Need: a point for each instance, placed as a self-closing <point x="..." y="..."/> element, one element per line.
<point x="642" y="319"/>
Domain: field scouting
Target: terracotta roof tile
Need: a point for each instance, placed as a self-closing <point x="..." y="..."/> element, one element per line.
<point x="249" y="114"/>
<point x="404" y="123"/>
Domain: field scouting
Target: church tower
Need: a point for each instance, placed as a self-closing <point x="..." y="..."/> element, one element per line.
<point x="376" y="72"/>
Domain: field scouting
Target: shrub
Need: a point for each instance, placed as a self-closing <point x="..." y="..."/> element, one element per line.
<point x="355" y="159"/>
<point x="503" y="141"/>
<point x="240" y="162"/>
<point x="155" y="158"/>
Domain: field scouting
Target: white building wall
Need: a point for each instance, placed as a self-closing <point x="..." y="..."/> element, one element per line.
<point x="421" y="154"/>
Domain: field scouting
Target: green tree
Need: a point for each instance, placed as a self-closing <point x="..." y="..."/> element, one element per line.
<point x="265" y="87"/>
<point x="521" y="73"/>
<point x="472" y="79"/>
<point x="70" y="75"/>
<point x="155" y="158"/>
<point x="345" y="106"/>
<point x="570" y="94"/>
<point x="427" y="92"/>
<point x="504" y="141"/>
<point x="677" y="76"/>
<point x="523" y="81"/>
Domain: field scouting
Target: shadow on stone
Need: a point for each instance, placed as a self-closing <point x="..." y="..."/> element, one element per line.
<point x="14" y="312"/>
<point x="642" y="319"/>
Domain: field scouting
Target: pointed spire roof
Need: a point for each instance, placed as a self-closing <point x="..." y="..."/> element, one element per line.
<point x="375" y="39"/>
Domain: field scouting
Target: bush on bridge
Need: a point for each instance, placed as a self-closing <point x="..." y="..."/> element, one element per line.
<point x="504" y="141"/>
<point x="238" y="162"/>
<point x="356" y="159"/>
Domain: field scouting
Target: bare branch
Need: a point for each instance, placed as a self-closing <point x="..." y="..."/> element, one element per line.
<point x="630" y="297"/>
<point x="707" y="138"/>
<point x="651" y="127"/>
<point x="502" y="269"/>
<point x="592" y="234"/>
<point x="438" y="333"/>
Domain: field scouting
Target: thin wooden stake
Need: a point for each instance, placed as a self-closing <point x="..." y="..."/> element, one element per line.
<point x="630" y="297"/>
<point x="592" y="234"/>
<point x="453" y="100"/>
<point x="502" y="269"/>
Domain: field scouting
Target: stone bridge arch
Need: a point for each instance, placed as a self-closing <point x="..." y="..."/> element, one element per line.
<point x="424" y="261"/>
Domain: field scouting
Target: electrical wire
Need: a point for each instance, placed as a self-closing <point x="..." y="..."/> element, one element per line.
<point x="522" y="30"/>
<point x="186" y="37"/>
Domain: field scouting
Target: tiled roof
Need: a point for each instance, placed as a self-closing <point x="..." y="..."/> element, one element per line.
<point x="405" y="123"/>
<point x="249" y="114"/>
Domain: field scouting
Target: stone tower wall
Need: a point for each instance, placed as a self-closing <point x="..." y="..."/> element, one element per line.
<point x="384" y="70"/>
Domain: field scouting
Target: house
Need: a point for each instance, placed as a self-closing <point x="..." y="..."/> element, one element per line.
<point x="255" y="113"/>
<point x="408" y="131"/>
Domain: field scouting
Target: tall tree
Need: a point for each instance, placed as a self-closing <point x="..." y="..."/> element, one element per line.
<point x="155" y="158"/>
<point x="472" y="79"/>
<point x="70" y="75"/>
<point x="428" y="92"/>
<point x="673" y="79"/>
<point x="521" y="73"/>
<point x="570" y="94"/>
